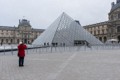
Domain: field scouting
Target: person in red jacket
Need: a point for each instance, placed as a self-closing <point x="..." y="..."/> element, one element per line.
<point x="21" y="53"/>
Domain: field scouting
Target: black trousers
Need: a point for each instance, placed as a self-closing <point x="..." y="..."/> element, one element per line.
<point x="21" y="61"/>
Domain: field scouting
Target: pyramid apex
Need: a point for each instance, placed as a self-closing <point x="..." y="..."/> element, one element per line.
<point x="64" y="13"/>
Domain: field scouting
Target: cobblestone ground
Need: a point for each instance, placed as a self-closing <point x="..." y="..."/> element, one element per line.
<point x="84" y="65"/>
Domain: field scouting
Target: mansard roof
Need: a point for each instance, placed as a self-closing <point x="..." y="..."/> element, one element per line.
<point x="40" y="30"/>
<point x="7" y="28"/>
<point x="16" y="28"/>
<point x="115" y="6"/>
<point x="24" y="22"/>
<point x="97" y="24"/>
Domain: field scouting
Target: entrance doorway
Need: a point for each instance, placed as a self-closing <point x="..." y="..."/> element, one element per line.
<point x="79" y="42"/>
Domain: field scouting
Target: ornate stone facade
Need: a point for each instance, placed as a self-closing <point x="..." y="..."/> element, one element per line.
<point x="109" y="29"/>
<point x="24" y="32"/>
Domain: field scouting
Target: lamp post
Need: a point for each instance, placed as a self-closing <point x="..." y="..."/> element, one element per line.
<point x="14" y="35"/>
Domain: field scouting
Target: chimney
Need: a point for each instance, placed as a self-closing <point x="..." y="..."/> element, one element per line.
<point x="112" y="4"/>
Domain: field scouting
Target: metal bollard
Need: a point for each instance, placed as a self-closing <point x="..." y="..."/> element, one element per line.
<point x="4" y="49"/>
<point x="11" y="50"/>
<point x="51" y="49"/>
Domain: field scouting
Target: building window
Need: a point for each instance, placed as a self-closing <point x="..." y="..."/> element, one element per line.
<point x="100" y="38"/>
<point x="102" y="31"/>
<point x="91" y="32"/>
<point x="118" y="15"/>
<point x="118" y="29"/>
<point x="111" y="17"/>
<point x="44" y="44"/>
<point x="94" y="32"/>
<point x="32" y="40"/>
<point x="6" y="40"/>
<point x="98" y="31"/>
<point x="105" y="39"/>
<point x="47" y="44"/>
<point x="18" y="41"/>
<point x="11" y="40"/>
<point x="2" y="41"/>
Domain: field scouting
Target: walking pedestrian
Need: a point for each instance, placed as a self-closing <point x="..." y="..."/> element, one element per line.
<point x="21" y="53"/>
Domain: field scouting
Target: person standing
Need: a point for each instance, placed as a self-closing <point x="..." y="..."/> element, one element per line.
<point x="21" y="53"/>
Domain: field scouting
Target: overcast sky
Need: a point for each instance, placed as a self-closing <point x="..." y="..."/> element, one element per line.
<point x="41" y="13"/>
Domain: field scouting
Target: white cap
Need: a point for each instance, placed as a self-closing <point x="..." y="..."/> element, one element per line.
<point x="20" y="42"/>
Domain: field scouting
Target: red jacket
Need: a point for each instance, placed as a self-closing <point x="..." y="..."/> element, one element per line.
<point x="21" y="50"/>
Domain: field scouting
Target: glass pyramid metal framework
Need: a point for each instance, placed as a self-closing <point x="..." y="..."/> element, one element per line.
<point x="67" y="32"/>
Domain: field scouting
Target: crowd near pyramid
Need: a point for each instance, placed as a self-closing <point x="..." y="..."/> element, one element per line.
<point x="65" y="31"/>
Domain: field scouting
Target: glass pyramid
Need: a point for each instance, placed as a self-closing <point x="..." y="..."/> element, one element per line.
<point x="65" y="31"/>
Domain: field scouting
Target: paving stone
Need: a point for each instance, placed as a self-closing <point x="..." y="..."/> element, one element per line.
<point x="81" y="65"/>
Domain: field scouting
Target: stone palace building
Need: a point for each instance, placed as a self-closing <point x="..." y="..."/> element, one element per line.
<point x="23" y="32"/>
<point x="109" y="29"/>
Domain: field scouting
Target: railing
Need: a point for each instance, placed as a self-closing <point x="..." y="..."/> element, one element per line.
<point x="12" y="49"/>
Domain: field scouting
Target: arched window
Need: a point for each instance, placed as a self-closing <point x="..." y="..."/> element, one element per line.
<point x="44" y="44"/>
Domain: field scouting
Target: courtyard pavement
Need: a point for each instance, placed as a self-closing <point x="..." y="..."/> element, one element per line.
<point x="81" y="65"/>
